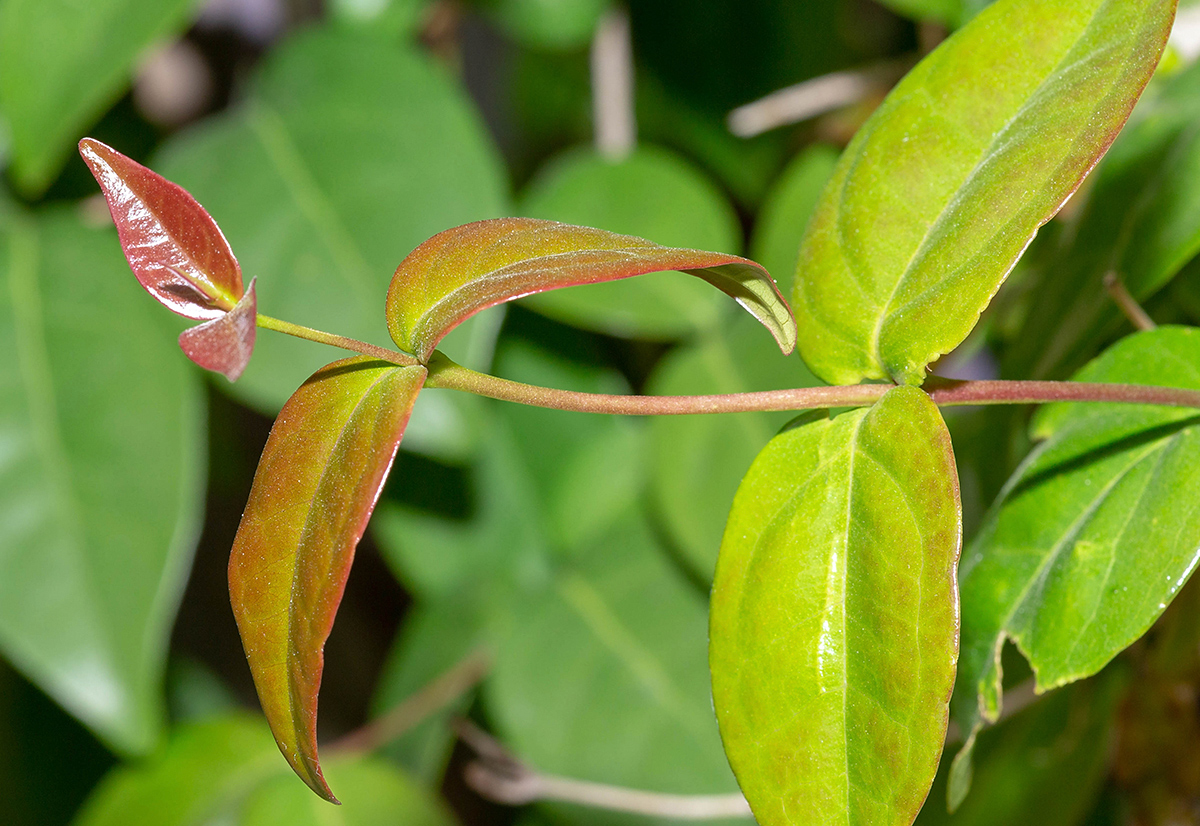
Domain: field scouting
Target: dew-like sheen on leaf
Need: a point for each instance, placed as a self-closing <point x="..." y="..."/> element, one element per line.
<point x="317" y="482"/>
<point x="834" y="619"/>
<point x="225" y="344"/>
<point x="1093" y="535"/>
<point x="461" y="271"/>
<point x="943" y="188"/>
<point x="172" y="244"/>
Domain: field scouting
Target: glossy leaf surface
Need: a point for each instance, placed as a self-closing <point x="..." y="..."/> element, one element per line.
<point x="699" y="460"/>
<point x="226" y="343"/>
<point x="346" y="153"/>
<point x="463" y="270"/>
<point x="834" y="619"/>
<point x="652" y="194"/>
<point x="173" y="245"/>
<point x="1141" y="221"/>
<point x="227" y="771"/>
<point x="322" y="469"/>
<point x="62" y="63"/>
<point x="943" y="188"/>
<point x="1094" y="534"/>
<point x="101" y="476"/>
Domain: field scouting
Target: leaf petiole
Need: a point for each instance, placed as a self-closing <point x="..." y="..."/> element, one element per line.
<point x="352" y="344"/>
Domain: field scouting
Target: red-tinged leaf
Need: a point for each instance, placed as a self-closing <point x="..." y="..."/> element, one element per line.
<point x="461" y="271"/>
<point x="316" y="485"/>
<point x="174" y="246"/>
<point x="225" y="344"/>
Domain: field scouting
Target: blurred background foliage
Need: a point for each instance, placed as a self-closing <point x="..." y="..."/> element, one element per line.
<point x="330" y="138"/>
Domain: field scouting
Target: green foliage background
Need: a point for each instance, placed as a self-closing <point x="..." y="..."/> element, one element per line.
<point x="579" y="549"/>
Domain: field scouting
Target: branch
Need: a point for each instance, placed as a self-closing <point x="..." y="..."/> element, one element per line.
<point x="945" y="392"/>
<point x="612" y="86"/>
<point x="1015" y="700"/>
<point x="499" y="776"/>
<point x="1127" y="303"/>
<point x="812" y="97"/>
<point x="434" y="696"/>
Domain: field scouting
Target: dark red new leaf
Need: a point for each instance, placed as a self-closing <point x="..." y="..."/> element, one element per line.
<point x="174" y="246"/>
<point x="461" y="271"/>
<point x="316" y="485"/>
<point x="224" y="345"/>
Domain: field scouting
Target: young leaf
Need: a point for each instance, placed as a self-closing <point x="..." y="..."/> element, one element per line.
<point x="320" y="474"/>
<point x="174" y="247"/>
<point x="652" y="194"/>
<point x="1094" y="533"/>
<point x="101" y="477"/>
<point x="464" y="270"/>
<point x="834" y="619"/>
<point x="944" y="187"/>
<point x="225" y="344"/>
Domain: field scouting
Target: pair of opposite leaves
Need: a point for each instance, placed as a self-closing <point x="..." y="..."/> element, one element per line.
<point x="870" y="308"/>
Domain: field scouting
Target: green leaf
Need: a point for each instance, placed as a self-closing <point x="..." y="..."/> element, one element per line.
<point x="317" y="482"/>
<point x="1044" y="766"/>
<point x="464" y="270"/>
<point x="652" y="194"/>
<point x="227" y="772"/>
<point x="602" y="675"/>
<point x="787" y="210"/>
<point x="547" y="24"/>
<point x="953" y="13"/>
<point x="699" y="460"/>
<point x="1141" y="221"/>
<point x="944" y="187"/>
<point x="101" y="476"/>
<point x="202" y="776"/>
<point x="391" y="18"/>
<point x="375" y="793"/>
<point x="834" y="619"/>
<point x="348" y="153"/>
<point x="62" y="63"/>
<point x="1094" y="533"/>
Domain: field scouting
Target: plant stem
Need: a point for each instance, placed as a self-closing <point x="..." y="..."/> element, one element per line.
<point x="353" y="344"/>
<point x="947" y="393"/>
<point x="430" y="698"/>
<point x="1127" y="303"/>
<point x="502" y="778"/>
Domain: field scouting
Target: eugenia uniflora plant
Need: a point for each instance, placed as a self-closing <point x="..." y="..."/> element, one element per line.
<point x="835" y="614"/>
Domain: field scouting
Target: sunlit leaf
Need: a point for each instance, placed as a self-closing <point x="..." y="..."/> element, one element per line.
<point x="320" y="474"/>
<point x="346" y="152"/>
<point x="463" y="270"/>
<point x="1094" y="533"/>
<point x="62" y="63"/>
<point x="945" y="185"/>
<point x="101" y="476"/>
<point x="834" y="619"/>
<point x="174" y="247"/>
<point x="1141" y="223"/>
<point x="652" y="194"/>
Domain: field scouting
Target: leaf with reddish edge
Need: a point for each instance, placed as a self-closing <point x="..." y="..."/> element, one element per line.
<point x="461" y="271"/>
<point x="224" y="345"/>
<point x="316" y="485"/>
<point x="174" y="246"/>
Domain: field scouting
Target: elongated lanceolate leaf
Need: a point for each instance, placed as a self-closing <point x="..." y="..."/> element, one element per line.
<point x="320" y="474"/>
<point x="175" y="248"/>
<point x="1094" y="533"/>
<point x="225" y="344"/>
<point x="834" y="618"/>
<point x="942" y="189"/>
<point x="464" y="270"/>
